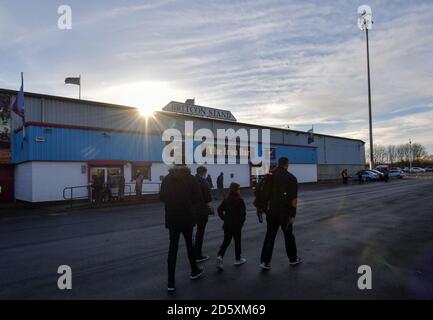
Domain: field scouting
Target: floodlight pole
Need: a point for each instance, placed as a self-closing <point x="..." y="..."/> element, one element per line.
<point x="369" y="101"/>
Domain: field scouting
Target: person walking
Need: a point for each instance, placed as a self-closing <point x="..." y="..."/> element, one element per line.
<point x="232" y="211"/>
<point x="220" y="186"/>
<point x="202" y="210"/>
<point x="179" y="192"/>
<point x="97" y="188"/>
<point x="344" y="176"/>
<point x="209" y="180"/>
<point x="281" y="214"/>
<point x="121" y="186"/>
<point x="360" y="178"/>
<point x="139" y="178"/>
<point x="386" y="175"/>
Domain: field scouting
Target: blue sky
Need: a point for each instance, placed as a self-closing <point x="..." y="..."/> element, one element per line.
<point x="279" y="63"/>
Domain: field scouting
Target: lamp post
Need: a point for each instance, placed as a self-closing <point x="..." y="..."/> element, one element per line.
<point x="410" y="155"/>
<point x="365" y="23"/>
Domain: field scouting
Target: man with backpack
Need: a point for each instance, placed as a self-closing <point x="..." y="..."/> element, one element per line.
<point x="276" y="195"/>
<point x="180" y="192"/>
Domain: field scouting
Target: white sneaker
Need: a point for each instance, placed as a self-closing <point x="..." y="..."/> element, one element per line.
<point x="265" y="266"/>
<point x="240" y="262"/>
<point x="295" y="263"/>
<point x="219" y="263"/>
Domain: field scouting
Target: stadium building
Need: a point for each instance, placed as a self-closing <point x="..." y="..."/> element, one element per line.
<point x="66" y="142"/>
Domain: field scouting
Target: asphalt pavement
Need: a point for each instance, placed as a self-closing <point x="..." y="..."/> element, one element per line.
<point x="120" y="252"/>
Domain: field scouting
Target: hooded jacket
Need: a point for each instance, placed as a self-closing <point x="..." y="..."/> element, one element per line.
<point x="180" y="192"/>
<point x="232" y="211"/>
<point x="202" y="207"/>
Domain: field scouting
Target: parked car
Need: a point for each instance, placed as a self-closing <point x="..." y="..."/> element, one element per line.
<point x="417" y="170"/>
<point x="397" y="174"/>
<point x="428" y="169"/>
<point x="379" y="173"/>
<point x="382" y="168"/>
<point x="406" y="169"/>
<point x="367" y="175"/>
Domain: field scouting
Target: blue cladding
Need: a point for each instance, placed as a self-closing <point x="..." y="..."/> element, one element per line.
<point x="296" y="154"/>
<point x="66" y="144"/>
<point x="63" y="144"/>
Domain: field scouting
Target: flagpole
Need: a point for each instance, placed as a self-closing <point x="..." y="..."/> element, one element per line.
<point x="79" y="90"/>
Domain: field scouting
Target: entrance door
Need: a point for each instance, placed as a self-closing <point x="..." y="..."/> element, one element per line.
<point x="107" y="175"/>
<point x="6" y="184"/>
<point x="98" y="173"/>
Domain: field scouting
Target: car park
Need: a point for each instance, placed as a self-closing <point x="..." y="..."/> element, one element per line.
<point x="367" y="175"/>
<point x="380" y="174"/>
<point x="417" y="170"/>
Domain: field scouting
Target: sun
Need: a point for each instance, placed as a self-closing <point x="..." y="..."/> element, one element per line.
<point x="145" y="113"/>
<point x="146" y="96"/>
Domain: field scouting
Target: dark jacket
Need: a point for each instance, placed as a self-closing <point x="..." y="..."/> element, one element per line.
<point x="180" y="192"/>
<point x="202" y="208"/>
<point x="220" y="182"/>
<point x="233" y="211"/>
<point x="284" y="193"/>
<point x="209" y="180"/>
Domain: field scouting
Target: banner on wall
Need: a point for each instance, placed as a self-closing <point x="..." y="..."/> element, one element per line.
<point x="5" y="129"/>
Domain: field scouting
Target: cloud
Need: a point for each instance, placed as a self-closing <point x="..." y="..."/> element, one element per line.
<point x="270" y="62"/>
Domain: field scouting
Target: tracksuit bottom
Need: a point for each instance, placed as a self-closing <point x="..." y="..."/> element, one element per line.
<point x="199" y="236"/>
<point x="274" y="223"/>
<point x="174" y="245"/>
<point x="228" y="235"/>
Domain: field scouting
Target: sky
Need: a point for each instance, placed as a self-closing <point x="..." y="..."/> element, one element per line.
<point x="271" y="62"/>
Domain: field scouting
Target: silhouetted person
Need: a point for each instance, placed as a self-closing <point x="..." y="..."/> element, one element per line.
<point x="344" y="176"/>
<point x="360" y="178"/>
<point x="139" y="178"/>
<point x="220" y="185"/>
<point x="180" y="191"/>
<point x="202" y="211"/>
<point x="281" y="214"/>
<point x="209" y="180"/>
<point x="232" y="211"/>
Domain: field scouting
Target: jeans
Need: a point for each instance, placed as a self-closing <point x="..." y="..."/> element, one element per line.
<point x="174" y="245"/>
<point x="274" y="223"/>
<point x="228" y="235"/>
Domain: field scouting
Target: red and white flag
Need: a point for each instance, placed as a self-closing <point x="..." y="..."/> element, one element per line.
<point x="18" y="105"/>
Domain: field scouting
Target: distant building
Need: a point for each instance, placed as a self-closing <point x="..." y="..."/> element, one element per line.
<point x="70" y="141"/>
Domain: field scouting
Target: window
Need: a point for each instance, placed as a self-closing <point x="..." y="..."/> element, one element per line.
<point x="144" y="170"/>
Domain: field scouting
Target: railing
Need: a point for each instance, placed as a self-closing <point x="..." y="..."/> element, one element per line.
<point x="71" y="198"/>
<point x="108" y="193"/>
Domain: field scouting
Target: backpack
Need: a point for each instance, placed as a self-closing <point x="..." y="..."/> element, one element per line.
<point x="263" y="193"/>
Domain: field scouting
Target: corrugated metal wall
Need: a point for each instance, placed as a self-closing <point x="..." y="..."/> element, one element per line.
<point x="331" y="150"/>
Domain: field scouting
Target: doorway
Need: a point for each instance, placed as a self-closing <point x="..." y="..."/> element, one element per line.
<point x="6" y="183"/>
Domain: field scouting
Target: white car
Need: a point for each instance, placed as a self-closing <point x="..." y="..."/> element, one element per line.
<point x="396" y="174"/>
<point x="417" y="170"/>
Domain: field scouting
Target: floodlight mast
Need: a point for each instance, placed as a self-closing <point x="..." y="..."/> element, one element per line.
<point x="365" y="22"/>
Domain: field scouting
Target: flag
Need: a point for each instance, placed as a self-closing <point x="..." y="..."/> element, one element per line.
<point x="311" y="136"/>
<point x="72" y="80"/>
<point x="18" y="105"/>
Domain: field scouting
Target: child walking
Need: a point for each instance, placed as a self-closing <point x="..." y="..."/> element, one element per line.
<point x="232" y="211"/>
